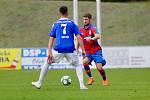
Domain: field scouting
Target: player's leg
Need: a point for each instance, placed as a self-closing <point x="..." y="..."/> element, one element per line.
<point x="79" y="73"/>
<point x="44" y="69"/>
<point x="102" y="73"/>
<point x="86" y="66"/>
<point x="73" y="59"/>
<point x="100" y="62"/>
<point x="87" y="69"/>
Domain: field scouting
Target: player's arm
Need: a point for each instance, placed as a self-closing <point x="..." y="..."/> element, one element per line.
<point x="78" y="46"/>
<point x="80" y="43"/>
<point x="79" y="39"/>
<point x="50" y="45"/>
<point x="96" y="36"/>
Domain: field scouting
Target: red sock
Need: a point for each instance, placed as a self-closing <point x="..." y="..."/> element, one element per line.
<point x="88" y="71"/>
<point x="102" y="73"/>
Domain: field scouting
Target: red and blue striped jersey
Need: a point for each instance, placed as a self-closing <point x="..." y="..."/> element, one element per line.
<point x="91" y="46"/>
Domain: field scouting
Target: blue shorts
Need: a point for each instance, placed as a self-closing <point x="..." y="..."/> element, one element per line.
<point x="96" y="57"/>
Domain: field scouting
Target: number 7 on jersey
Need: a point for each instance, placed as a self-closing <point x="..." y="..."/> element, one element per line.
<point x="64" y="28"/>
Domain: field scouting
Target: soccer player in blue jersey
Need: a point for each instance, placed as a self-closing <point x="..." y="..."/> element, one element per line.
<point x="63" y="32"/>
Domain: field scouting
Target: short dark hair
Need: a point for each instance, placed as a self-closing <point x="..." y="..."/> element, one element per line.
<point x="63" y="10"/>
<point x="88" y="15"/>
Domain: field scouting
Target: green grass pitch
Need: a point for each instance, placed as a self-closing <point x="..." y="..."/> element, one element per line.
<point x="125" y="84"/>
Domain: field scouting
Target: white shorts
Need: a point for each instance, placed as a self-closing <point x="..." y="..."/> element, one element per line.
<point x="72" y="58"/>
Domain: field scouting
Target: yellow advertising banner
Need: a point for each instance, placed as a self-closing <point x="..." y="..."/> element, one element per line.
<point x="10" y="58"/>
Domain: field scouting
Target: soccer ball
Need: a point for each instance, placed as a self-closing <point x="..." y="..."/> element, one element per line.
<point x="66" y="80"/>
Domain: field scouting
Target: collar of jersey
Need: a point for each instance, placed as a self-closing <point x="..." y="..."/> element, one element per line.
<point x="88" y="27"/>
<point x="63" y="18"/>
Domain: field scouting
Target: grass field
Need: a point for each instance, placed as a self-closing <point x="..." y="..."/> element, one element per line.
<point x="125" y="84"/>
<point x="24" y="23"/>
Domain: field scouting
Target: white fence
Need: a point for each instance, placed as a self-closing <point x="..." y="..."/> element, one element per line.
<point x="127" y="57"/>
<point x="116" y="57"/>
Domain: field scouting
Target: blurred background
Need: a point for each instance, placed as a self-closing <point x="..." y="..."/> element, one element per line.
<point x="125" y="39"/>
<point x="26" y="23"/>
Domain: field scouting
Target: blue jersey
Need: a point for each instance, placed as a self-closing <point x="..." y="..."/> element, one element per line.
<point x="64" y="30"/>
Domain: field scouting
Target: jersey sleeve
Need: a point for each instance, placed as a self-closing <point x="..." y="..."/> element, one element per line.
<point x="53" y="31"/>
<point x="76" y="30"/>
<point x="96" y="31"/>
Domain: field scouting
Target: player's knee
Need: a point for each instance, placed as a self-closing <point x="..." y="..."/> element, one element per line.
<point x="85" y="64"/>
<point x="99" y="66"/>
<point x="85" y="61"/>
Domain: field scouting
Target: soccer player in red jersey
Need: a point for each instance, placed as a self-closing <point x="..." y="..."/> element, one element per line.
<point x="90" y="35"/>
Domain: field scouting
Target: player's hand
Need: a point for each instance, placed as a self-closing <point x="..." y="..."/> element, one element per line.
<point x="49" y="59"/>
<point x="87" y="38"/>
<point x="92" y="39"/>
<point x="83" y="54"/>
<point x="85" y="60"/>
<point x="79" y="51"/>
